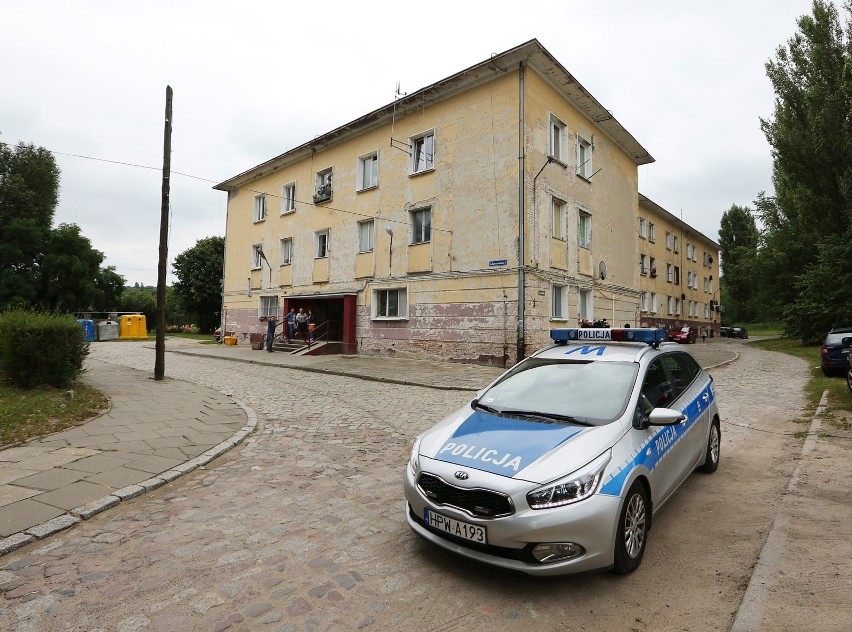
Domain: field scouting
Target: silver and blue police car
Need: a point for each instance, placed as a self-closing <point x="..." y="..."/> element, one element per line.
<point x="559" y="465"/>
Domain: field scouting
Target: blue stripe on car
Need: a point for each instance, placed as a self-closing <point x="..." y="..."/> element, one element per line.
<point x="500" y="445"/>
<point x="658" y="445"/>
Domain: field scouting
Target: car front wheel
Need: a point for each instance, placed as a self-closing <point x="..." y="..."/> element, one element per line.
<point x="632" y="531"/>
<point x="714" y="444"/>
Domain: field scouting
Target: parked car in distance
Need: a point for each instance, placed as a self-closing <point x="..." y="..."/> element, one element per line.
<point x="684" y="335"/>
<point x="834" y="355"/>
<point x="218" y="334"/>
<point x="849" y="372"/>
<point x="724" y="332"/>
<point x="739" y="332"/>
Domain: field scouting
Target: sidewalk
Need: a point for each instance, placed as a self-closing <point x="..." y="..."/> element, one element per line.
<point x="154" y="432"/>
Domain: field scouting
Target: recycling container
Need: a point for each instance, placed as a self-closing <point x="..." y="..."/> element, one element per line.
<point x="88" y="326"/>
<point x="107" y="330"/>
<point x="132" y="326"/>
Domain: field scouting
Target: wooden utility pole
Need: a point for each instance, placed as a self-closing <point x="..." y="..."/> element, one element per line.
<point x="160" y="346"/>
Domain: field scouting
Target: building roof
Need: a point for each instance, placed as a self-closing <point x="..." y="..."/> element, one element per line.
<point x="531" y="53"/>
<point x="659" y="210"/>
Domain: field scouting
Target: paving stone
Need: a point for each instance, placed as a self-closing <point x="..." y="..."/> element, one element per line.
<point x="51" y="479"/>
<point x="13" y="542"/>
<point x="52" y="526"/>
<point x="97" y="463"/>
<point x="96" y="506"/>
<point x="24" y="514"/>
<point x="257" y="609"/>
<point x="131" y="491"/>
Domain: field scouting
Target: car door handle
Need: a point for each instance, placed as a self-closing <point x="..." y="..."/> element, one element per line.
<point x="706" y="396"/>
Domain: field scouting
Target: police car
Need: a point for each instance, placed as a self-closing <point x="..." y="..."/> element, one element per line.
<point x="559" y="465"/>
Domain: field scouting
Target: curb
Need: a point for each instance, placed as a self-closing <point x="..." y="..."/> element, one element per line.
<point x="309" y="369"/>
<point x="84" y="512"/>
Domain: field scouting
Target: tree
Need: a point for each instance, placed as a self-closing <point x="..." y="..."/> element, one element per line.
<point x="810" y="134"/>
<point x="738" y="237"/>
<point x="199" y="273"/>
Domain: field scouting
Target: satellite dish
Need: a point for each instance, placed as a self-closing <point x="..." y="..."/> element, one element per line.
<point x="602" y="270"/>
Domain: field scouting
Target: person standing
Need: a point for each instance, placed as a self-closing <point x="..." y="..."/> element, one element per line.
<point x="291" y="324"/>
<point x="703" y="330"/>
<point x="302" y="325"/>
<point x="271" y="324"/>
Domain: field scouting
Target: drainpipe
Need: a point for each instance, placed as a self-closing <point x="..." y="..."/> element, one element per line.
<point x="521" y="216"/>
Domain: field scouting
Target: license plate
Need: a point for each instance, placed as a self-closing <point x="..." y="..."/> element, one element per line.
<point x="458" y="528"/>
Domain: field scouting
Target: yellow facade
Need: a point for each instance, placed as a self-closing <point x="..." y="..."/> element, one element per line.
<point x="678" y="271"/>
<point x="415" y="212"/>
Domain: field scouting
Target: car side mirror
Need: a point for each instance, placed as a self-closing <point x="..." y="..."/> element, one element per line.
<point x="665" y="417"/>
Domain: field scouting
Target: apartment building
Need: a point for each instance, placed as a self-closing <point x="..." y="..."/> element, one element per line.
<point x="461" y="222"/>
<point x="678" y="271"/>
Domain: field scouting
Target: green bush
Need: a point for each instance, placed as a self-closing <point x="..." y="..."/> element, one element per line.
<point x="41" y="348"/>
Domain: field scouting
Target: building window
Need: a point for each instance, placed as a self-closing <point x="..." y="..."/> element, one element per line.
<point x="643" y="301"/>
<point x="321" y="241"/>
<point x="643" y="228"/>
<point x="391" y="303"/>
<point x="668" y="240"/>
<point x="366" y="235"/>
<point x="675" y="244"/>
<point x="558" y="219"/>
<point x="288" y="198"/>
<point x="260" y="207"/>
<point x="556" y="139"/>
<point x="670" y="301"/>
<point x="268" y="306"/>
<point x="653" y="266"/>
<point x="422" y="152"/>
<point x="585" y="230"/>
<point x="707" y="311"/>
<point x="560" y="302"/>
<point x="584" y="158"/>
<point x="669" y="273"/>
<point x="677" y="306"/>
<point x="653" y="303"/>
<point x="323" y="191"/>
<point x="643" y="268"/>
<point x="368" y="171"/>
<point x="256" y="256"/>
<point x="652" y="232"/>
<point x="585" y="305"/>
<point x="676" y="279"/>
<point x="421" y="226"/>
<point x="286" y="251"/>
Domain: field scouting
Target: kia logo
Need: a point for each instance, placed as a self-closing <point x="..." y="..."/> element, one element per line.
<point x="462" y="476"/>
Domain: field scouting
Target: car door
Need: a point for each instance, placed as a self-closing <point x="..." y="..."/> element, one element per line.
<point x="690" y="395"/>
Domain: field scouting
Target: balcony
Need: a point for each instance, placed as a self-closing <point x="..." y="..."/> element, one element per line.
<point x="323" y="194"/>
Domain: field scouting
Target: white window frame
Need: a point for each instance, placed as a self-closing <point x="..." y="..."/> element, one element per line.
<point x="676" y="280"/>
<point x="401" y="303"/>
<point x="425" y="235"/>
<point x="669" y="273"/>
<point x="668" y="240"/>
<point x="675" y="244"/>
<point x="652" y="267"/>
<point x="259" y="207"/>
<point x="643" y="264"/>
<point x="323" y="186"/>
<point x="557" y="138"/>
<point x="267" y="306"/>
<point x="643" y="301"/>
<point x="367" y="175"/>
<point x="288" y="198"/>
<point x="677" y="306"/>
<point x="557" y="219"/>
<point x="322" y="240"/>
<point x="366" y="235"/>
<point x="256" y="259"/>
<point x="285" y="251"/>
<point x="584" y="229"/>
<point x="585" y="155"/>
<point x="643" y="228"/>
<point x="652" y="232"/>
<point x="707" y="310"/>
<point x="420" y="144"/>
<point x="670" y="305"/>
<point x="559" y="304"/>
<point x="654" y="303"/>
<point x="585" y="302"/>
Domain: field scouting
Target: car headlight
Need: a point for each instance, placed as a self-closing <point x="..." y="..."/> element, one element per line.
<point x="573" y="488"/>
<point x="414" y="460"/>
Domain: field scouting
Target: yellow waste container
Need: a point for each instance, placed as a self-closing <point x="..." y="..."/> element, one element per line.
<point x="132" y="326"/>
<point x="230" y="340"/>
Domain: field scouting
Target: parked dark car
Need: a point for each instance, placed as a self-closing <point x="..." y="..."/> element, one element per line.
<point x="849" y="372"/>
<point x="724" y="332"/>
<point x="684" y="335"/>
<point x="739" y="332"/>
<point x="833" y="355"/>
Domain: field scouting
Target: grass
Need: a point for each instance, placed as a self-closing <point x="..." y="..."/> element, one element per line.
<point x="839" y="398"/>
<point x="30" y="413"/>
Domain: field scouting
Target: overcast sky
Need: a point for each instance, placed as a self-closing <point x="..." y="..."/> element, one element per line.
<point x="254" y="79"/>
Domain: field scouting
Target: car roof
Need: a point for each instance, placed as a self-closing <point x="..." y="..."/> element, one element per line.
<point x="589" y="350"/>
<point x="840" y="330"/>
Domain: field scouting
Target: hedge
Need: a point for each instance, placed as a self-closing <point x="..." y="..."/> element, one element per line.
<point x="41" y="348"/>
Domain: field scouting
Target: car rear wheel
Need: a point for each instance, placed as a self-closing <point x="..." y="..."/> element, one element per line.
<point x="714" y="445"/>
<point x="632" y="531"/>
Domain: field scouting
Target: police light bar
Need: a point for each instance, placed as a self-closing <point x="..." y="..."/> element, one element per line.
<point x="649" y="336"/>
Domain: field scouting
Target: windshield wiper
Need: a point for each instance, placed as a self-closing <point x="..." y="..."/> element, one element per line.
<point x="477" y="404"/>
<point x="546" y="416"/>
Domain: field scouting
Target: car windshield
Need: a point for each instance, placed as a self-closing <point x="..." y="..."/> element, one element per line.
<point x="591" y="392"/>
<point x="685" y="330"/>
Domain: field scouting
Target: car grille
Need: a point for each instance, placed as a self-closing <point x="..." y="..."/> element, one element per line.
<point x="481" y="503"/>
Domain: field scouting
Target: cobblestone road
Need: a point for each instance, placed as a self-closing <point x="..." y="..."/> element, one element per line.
<point x="302" y="527"/>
